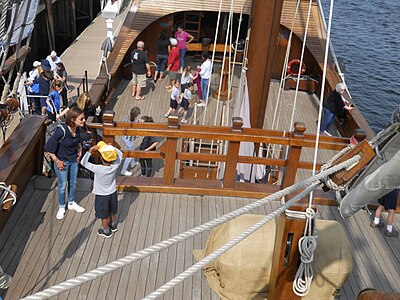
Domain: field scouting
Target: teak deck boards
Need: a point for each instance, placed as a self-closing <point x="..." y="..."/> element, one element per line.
<point x="40" y="251"/>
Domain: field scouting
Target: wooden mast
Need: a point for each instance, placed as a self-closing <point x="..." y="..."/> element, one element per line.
<point x="264" y="24"/>
<point x="263" y="44"/>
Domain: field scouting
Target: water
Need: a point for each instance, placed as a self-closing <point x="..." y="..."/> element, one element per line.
<point x="366" y="34"/>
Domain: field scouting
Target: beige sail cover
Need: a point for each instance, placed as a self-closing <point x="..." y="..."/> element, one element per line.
<point x="243" y="272"/>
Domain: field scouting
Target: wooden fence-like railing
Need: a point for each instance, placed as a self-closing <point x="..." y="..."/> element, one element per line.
<point x="173" y="133"/>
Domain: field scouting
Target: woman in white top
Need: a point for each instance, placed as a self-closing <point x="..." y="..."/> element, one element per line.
<point x="205" y="74"/>
<point x="187" y="77"/>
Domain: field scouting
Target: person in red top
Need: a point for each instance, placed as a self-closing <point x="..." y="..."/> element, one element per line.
<point x="173" y="62"/>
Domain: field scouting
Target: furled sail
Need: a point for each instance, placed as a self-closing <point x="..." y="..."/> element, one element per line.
<point x="379" y="178"/>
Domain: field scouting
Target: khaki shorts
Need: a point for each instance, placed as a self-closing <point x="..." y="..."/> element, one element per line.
<point x="139" y="79"/>
<point x="173" y="75"/>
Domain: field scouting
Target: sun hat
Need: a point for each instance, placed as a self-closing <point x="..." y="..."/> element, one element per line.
<point x="36" y="63"/>
<point x="45" y="65"/>
<point x="108" y="152"/>
<point x="53" y="53"/>
<point x="173" y="42"/>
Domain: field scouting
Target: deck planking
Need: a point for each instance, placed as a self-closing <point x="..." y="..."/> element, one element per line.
<point x="59" y="250"/>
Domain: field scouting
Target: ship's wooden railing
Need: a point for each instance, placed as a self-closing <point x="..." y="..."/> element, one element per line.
<point x="173" y="132"/>
<point x="21" y="156"/>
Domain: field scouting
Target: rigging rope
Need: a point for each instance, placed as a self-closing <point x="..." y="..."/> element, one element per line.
<point x="209" y="81"/>
<point x="341" y="74"/>
<point x="323" y="88"/>
<point x="229" y="245"/>
<point x="300" y="64"/>
<point x="88" y="276"/>
<point x="271" y="150"/>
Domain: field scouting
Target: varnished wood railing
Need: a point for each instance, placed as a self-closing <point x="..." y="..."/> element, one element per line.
<point x="173" y="132"/>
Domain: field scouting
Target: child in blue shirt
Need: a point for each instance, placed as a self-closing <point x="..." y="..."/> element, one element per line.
<point x="53" y="102"/>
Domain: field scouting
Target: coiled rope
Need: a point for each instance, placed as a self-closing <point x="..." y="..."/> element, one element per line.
<point x="71" y="283"/>
<point x="307" y="245"/>
<point x="7" y="192"/>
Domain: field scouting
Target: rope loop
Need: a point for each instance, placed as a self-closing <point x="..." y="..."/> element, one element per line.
<point x="310" y="213"/>
<point x="8" y="194"/>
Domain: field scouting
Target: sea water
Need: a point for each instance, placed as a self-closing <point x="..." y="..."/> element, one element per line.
<point x="366" y="34"/>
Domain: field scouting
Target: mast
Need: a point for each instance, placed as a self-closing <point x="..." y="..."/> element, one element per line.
<point x="264" y="24"/>
<point x="263" y="44"/>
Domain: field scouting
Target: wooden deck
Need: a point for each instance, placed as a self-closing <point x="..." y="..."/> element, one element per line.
<point x="40" y="251"/>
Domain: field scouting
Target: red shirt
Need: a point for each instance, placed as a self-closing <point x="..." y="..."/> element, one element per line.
<point x="174" y="59"/>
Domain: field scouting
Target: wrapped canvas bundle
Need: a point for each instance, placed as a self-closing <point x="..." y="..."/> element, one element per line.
<point x="244" y="271"/>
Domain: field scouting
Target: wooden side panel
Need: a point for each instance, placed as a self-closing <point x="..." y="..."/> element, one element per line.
<point x="21" y="156"/>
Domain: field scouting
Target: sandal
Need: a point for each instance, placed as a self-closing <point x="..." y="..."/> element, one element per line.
<point x="141" y="98"/>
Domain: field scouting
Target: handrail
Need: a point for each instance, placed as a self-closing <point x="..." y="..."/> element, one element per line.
<point x="173" y="131"/>
<point x="84" y="82"/>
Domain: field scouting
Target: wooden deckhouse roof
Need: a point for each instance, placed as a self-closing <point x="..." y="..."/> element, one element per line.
<point x="143" y="13"/>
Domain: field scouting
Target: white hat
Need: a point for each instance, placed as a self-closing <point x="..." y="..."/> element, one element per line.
<point x="36" y="63"/>
<point x="173" y="42"/>
<point x="53" y="53"/>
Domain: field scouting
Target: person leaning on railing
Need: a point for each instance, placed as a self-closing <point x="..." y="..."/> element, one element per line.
<point x="335" y="104"/>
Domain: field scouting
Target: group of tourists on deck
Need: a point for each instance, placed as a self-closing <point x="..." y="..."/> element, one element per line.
<point x="171" y="53"/>
<point x="47" y="86"/>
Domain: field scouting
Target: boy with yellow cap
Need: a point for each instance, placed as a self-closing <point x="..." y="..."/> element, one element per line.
<point x="105" y="185"/>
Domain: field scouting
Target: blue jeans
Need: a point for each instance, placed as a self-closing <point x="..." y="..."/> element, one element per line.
<point x="182" y="53"/>
<point x="67" y="176"/>
<point x="204" y="88"/>
<point x="328" y="120"/>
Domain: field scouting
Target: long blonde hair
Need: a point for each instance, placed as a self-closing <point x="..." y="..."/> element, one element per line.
<point x="84" y="101"/>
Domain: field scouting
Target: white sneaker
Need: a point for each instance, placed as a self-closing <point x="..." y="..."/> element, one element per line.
<point x="327" y="133"/>
<point x="61" y="213"/>
<point x="76" y="207"/>
<point x="184" y="121"/>
<point x="126" y="173"/>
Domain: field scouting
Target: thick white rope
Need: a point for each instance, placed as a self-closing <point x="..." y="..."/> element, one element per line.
<point x="7" y="192"/>
<point x="229" y="245"/>
<point x="88" y="276"/>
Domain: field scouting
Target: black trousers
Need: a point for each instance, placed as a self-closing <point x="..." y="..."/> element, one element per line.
<point x="146" y="166"/>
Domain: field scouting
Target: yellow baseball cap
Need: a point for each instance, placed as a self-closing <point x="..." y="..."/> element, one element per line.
<point x="107" y="152"/>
